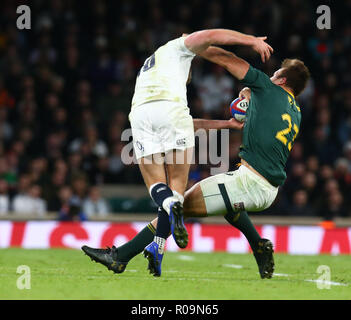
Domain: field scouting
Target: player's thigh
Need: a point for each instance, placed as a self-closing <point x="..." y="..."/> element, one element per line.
<point x="177" y="129"/>
<point x="178" y="166"/>
<point x="152" y="169"/>
<point x="212" y="196"/>
<point x="226" y="192"/>
<point x="144" y="121"/>
<point x="178" y="139"/>
<point x="246" y="190"/>
<point x="161" y="126"/>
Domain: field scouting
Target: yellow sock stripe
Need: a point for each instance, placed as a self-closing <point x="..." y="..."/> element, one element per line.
<point x="152" y="228"/>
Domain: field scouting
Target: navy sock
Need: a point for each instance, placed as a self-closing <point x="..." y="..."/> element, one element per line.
<point x="159" y="192"/>
<point x="163" y="226"/>
<point x="241" y="221"/>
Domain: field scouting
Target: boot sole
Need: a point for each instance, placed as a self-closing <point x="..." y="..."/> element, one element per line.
<point x="178" y="229"/>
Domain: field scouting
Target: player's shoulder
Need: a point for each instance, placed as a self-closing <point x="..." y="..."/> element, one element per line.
<point x="178" y="46"/>
<point x="256" y="79"/>
<point x="257" y="73"/>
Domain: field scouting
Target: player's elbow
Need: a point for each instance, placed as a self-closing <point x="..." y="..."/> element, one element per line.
<point x="210" y="35"/>
<point x="200" y="40"/>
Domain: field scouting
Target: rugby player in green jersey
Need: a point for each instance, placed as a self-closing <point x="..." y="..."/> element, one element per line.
<point x="272" y="124"/>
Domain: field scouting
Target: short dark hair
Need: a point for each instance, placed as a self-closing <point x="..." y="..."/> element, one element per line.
<point x="296" y="74"/>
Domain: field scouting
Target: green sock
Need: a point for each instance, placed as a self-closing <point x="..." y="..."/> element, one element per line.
<point x="241" y="221"/>
<point x="135" y="246"/>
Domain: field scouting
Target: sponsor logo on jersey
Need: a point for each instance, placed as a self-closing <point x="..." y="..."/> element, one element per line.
<point x="181" y="142"/>
<point x="140" y="146"/>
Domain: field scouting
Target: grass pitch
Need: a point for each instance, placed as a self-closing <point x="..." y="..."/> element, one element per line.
<point x="69" y="274"/>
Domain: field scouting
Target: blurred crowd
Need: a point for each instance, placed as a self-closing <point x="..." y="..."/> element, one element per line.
<point x="66" y="87"/>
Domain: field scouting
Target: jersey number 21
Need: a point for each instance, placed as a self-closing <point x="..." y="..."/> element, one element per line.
<point x="281" y="135"/>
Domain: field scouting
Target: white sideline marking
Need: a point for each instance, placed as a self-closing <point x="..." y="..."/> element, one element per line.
<point x="195" y="272"/>
<point x="185" y="258"/>
<point x="328" y="282"/>
<point x="280" y="275"/>
<point x="192" y="279"/>
<point x="234" y="266"/>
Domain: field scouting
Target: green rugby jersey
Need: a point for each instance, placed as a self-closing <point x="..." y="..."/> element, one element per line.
<point x="272" y="123"/>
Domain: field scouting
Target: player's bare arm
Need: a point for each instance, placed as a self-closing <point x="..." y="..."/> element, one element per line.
<point x="238" y="67"/>
<point x="217" y="124"/>
<point x="199" y="41"/>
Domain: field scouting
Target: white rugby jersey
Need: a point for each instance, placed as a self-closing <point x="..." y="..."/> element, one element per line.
<point x="164" y="74"/>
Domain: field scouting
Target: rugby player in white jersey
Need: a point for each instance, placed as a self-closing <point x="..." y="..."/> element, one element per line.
<point x="163" y="129"/>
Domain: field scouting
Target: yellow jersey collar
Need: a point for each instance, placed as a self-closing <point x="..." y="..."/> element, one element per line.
<point x="289" y="92"/>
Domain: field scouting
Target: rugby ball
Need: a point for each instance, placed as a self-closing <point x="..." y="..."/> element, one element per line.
<point x="238" y="108"/>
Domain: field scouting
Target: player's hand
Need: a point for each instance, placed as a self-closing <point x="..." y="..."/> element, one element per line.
<point x="262" y="48"/>
<point x="235" y="124"/>
<point x="245" y="93"/>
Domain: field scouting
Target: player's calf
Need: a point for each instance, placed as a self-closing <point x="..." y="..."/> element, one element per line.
<point x="172" y="206"/>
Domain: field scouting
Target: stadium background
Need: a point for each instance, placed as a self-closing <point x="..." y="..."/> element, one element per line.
<point x="66" y="87"/>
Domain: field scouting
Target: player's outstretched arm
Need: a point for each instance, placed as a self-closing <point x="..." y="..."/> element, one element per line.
<point x="201" y="40"/>
<point x="236" y="66"/>
<point x="217" y="124"/>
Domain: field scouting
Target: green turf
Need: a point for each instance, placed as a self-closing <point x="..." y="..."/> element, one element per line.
<point x="69" y="274"/>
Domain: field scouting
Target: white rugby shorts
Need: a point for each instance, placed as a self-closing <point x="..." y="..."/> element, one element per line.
<point x="160" y="126"/>
<point x="241" y="189"/>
